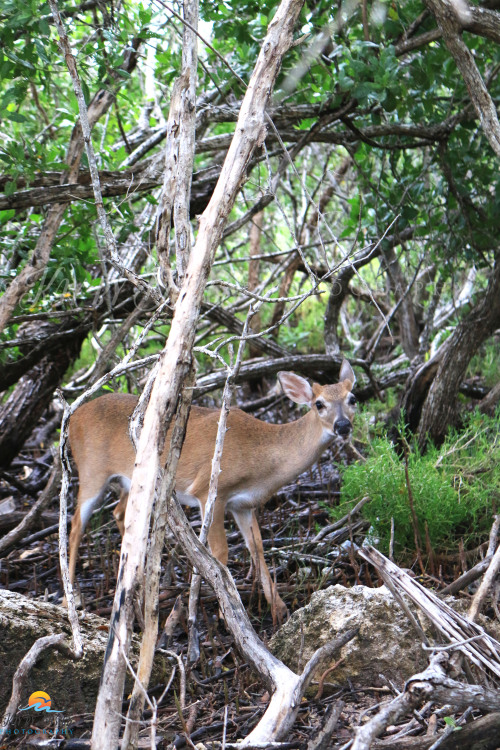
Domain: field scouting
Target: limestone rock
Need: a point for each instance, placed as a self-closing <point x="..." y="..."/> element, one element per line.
<point x="387" y="642"/>
<point x="72" y="685"/>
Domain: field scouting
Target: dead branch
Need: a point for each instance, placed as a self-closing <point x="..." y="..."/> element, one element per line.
<point x="307" y="364"/>
<point x="208" y="511"/>
<point x="228" y="319"/>
<point x="63" y="529"/>
<point x="492" y="542"/>
<point x="467" y="578"/>
<point x="486" y="586"/>
<point x="322" y="740"/>
<point x="340" y="523"/>
<point x="466" y="636"/>
<point x="287" y="687"/>
<point x="481" y="734"/>
<point x="431" y="684"/>
<point x="400" y="706"/>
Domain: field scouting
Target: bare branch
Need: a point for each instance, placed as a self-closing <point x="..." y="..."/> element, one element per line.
<point x="485" y="587"/>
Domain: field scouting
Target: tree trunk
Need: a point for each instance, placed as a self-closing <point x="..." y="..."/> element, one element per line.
<point x="408" y="328"/>
<point x="173" y="365"/>
<point x="439" y="407"/>
<point x="32" y="395"/>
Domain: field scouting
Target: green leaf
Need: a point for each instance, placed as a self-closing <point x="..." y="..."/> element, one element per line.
<point x="86" y="92"/>
<point x="6" y="216"/>
<point x="15" y="58"/>
<point x="16" y="117"/>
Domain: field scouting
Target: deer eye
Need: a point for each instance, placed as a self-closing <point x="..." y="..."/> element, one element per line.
<point x="319" y="405"/>
<point x="353" y="400"/>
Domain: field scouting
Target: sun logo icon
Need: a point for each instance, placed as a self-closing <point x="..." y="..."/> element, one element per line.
<point x="40" y="701"/>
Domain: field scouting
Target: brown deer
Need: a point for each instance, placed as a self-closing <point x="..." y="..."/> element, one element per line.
<point x="258" y="458"/>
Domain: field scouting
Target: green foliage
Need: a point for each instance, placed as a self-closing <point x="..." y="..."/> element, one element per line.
<point x="455" y="489"/>
<point x="485" y="364"/>
<point x="447" y="188"/>
<point x="306" y="332"/>
<point x="451" y="722"/>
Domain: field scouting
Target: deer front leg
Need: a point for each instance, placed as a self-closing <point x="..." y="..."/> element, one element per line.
<point x="247" y="523"/>
<point x="217" y="536"/>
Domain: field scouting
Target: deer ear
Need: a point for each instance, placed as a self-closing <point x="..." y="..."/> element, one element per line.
<point x="347" y="373"/>
<point x="296" y="388"/>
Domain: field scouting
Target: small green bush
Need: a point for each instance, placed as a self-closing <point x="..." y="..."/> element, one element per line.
<point x="455" y="489"/>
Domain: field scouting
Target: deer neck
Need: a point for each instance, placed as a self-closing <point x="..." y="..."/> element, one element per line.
<point x="301" y="444"/>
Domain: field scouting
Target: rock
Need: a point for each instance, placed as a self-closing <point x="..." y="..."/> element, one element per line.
<point x="72" y="685"/>
<point x="387" y="643"/>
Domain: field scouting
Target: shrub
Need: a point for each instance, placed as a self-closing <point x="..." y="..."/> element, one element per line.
<point x="455" y="489"/>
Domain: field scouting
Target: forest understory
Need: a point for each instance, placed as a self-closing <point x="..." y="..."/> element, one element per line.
<point x="219" y="695"/>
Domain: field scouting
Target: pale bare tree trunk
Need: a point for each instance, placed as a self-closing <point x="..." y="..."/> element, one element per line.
<point x="177" y="192"/>
<point x="173" y="365"/>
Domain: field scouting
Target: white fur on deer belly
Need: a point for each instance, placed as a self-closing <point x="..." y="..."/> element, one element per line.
<point x="88" y="507"/>
<point x="186" y="499"/>
<point x="245" y="501"/>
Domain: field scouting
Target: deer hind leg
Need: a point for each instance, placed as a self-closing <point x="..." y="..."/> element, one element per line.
<point x="74" y="543"/>
<point x="90" y="496"/>
<point x="82" y="513"/>
<point x="121" y="507"/>
<point x="249" y="527"/>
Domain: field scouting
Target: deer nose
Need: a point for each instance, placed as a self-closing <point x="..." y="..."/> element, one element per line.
<point x="342" y="427"/>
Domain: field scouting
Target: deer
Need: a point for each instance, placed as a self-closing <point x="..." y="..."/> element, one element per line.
<point x="258" y="459"/>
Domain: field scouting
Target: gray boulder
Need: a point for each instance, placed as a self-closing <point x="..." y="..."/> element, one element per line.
<point x="387" y="643"/>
